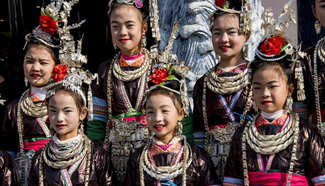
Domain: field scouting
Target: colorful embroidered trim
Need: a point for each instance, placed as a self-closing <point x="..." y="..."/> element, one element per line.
<point x="42" y="124"/>
<point x="100" y="109"/>
<point x="132" y="61"/>
<point x="319" y="180"/>
<point x="234" y="181"/>
<point x="229" y="108"/>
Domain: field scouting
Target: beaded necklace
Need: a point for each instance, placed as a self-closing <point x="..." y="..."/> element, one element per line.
<point x="145" y="73"/>
<point x="130" y="75"/>
<point x="165" y="172"/>
<point x="319" y="49"/>
<point x="228" y="84"/>
<point x="272" y="142"/>
<point x="86" y="151"/>
<point x="226" y="133"/>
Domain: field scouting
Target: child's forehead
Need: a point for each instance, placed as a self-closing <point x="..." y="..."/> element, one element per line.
<point x="269" y="74"/>
<point x="125" y="12"/>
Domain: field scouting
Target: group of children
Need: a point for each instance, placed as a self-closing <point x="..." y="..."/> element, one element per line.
<point x="126" y="128"/>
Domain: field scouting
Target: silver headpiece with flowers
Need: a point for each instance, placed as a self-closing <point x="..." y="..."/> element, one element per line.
<point x="276" y="47"/>
<point x="70" y="70"/>
<point x="70" y="51"/>
<point x="164" y="72"/>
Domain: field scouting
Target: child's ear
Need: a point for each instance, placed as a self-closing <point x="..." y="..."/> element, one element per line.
<point x="291" y="88"/>
<point x="144" y="28"/>
<point x="83" y="113"/>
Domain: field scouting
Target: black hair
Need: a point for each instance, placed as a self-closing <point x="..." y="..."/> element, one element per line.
<point x="286" y="67"/>
<point x="53" y="51"/>
<point x="76" y="97"/>
<point x="172" y="84"/>
<point x="312" y="2"/>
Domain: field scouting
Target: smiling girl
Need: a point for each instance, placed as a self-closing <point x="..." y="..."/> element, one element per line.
<point x="167" y="158"/>
<point x="220" y="95"/>
<point x="118" y="100"/>
<point x="26" y="125"/>
<point x="272" y="149"/>
<point x="70" y="158"/>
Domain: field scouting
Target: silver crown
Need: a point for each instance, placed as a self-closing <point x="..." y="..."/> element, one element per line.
<point x="70" y="52"/>
<point x="71" y="82"/>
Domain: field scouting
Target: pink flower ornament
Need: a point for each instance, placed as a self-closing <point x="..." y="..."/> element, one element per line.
<point x="138" y="3"/>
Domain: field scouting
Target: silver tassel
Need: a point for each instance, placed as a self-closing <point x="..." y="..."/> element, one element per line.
<point x="90" y="104"/>
<point x="300" y="82"/>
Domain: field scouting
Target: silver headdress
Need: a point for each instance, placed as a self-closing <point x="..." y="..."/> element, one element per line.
<point x="276" y="47"/>
<point x="168" y="75"/>
<point x="241" y="7"/>
<point x="71" y="82"/>
<point x="70" y="51"/>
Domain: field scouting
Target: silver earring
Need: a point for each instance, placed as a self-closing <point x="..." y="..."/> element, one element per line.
<point x="289" y="102"/>
<point x="245" y="52"/>
<point x="179" y="128"/>
<point x="317" y="26"/>
<point x="143" y="41"/>
<point x="81" y="125"/>
<point x="26" y="81"/>
<point x="114" y="46"/>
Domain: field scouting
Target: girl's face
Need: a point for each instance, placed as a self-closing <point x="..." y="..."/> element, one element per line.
<point x="64" y="115"/>
<point x="162" y="116"/>
<point x="319" y="11"/>
<point x="270" y="89"/>
<point x="127" y="29"/>
<point x="226" y="39"/>
<point x="38" y="65"/>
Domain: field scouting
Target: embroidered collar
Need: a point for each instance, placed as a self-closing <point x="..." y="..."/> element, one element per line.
<point x="37" y="94"/>
<point x="174" y="146"/>
<point x="132" y="61"/>
<point x="235" y="69"/>
<point x="279" y="121"/>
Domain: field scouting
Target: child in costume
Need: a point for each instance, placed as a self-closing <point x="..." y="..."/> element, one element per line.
<point x="220" y="96"/>
<point x="167" y="158"/>
<point x="118" y="100"/>
<point x="25" y="124"/>
<point x="70" y="158"/>
<point x="276" y="147"/>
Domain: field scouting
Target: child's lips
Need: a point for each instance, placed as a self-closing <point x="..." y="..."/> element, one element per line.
<point x="224" y="48"/>
<point x="35" y="76"/>
<point x="60" y="126"/>
<point x="266" y="102"/>
<point x="124" y="40"/>
<point x="159" y="127"/>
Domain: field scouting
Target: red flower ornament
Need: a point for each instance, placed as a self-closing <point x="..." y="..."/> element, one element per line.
<point x="160" y="75"/>
<point x="272" y="46"/>
<point x="59" y="72"/>
<point x="48" y="24"/>
<point x="220" y="3"/>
